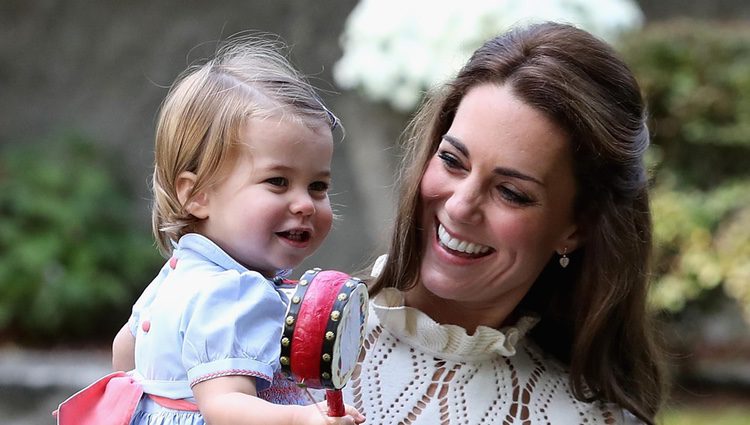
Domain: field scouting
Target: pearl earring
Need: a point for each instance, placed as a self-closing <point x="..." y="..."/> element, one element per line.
<point x="564" y="260"/>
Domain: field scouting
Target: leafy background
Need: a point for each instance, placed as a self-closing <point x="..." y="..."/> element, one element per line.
<point x="73" y="251"/>
<point x="76" y="121"/>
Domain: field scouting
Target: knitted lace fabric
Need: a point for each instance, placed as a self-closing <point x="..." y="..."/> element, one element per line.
<point x="416" y="371"/>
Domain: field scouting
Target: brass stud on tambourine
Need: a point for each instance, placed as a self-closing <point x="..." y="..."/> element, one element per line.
<point x="290" y="320"/>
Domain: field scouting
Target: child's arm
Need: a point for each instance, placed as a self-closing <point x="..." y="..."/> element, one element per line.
<point x="232" y="400"/>
<point x="123" y="350"/>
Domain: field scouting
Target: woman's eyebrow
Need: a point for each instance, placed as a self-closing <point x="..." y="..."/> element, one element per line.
<point x="502" y="171"/>
<point x="509" y="172"/>
<point x="457" y="144"/>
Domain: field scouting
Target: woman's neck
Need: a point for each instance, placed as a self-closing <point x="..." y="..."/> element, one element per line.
<point x="466" y="314"/>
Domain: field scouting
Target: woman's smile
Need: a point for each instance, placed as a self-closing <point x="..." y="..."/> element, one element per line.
<point x="459" y="247"/>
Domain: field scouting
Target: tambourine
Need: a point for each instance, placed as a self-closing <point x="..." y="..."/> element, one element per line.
<point x="323" y="333"/>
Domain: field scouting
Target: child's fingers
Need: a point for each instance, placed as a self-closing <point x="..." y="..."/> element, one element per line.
<point x="352" y="417"/>
<point x="343" y="420"/>
<point x="354" y="413"/>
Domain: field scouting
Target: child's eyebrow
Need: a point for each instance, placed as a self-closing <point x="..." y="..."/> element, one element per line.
<point x="281" y="168"/>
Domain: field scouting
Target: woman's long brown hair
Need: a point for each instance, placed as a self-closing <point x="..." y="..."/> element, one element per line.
<point x="594" y="313"/>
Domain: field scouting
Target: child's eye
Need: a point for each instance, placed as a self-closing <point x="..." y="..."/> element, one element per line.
<point x="449" y="160"/>
<point x="319" y="186"/>
<point x="277" y="181"/>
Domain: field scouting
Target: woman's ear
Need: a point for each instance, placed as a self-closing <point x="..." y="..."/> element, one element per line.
<point x="571" y="240"/>
<point x="198" y="205"/>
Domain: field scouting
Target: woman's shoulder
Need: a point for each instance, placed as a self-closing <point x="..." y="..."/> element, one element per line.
<point x="548" y="382"/>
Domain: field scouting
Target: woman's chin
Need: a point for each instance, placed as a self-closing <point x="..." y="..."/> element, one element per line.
<point x="440" y="287"/>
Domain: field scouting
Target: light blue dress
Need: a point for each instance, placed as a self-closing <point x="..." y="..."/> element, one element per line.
<point x="204" y="316"/>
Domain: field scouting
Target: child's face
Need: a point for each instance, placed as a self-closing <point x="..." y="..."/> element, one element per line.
<point x="271" y="210"/>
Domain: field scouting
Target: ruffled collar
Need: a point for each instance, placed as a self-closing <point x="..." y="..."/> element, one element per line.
<point x="450" y="342"/>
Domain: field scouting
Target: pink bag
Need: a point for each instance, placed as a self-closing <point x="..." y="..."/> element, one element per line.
<point x="109" y="401"/>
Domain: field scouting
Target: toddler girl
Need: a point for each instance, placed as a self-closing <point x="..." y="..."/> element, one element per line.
<point x="242" y="170"/>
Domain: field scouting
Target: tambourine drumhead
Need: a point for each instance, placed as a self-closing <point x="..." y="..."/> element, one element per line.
<point x="350" y="333"/>
<point x="324" y="329"/>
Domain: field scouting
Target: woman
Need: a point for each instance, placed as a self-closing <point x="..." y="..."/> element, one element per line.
<point x="515" y="286"/>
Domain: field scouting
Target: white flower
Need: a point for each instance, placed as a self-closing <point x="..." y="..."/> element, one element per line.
<point x="396" y="50"/>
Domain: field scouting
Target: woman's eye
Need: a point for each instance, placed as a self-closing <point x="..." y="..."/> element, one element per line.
<point x="319" y="186"/>
<point x="514" y="197"/>
<point x="277" y="181"/>
<point x="449" y="160"/>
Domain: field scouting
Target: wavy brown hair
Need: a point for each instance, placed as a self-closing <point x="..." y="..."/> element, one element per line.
<point x="594" y="313"/>
<point x="200" y="120"/>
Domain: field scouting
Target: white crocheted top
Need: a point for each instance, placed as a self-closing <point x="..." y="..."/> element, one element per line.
<point x="416" y="371"/>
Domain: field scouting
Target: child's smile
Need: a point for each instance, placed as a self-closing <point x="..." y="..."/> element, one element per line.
<point x="295" y="237"/>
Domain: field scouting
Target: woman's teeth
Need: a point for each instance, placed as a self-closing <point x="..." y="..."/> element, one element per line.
<point x="459" y="245"/>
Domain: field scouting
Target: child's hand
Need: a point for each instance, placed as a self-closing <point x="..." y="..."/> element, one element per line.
<point x="314" y="414"/>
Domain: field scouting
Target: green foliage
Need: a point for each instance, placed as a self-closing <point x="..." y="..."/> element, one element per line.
<point x="72" y="257"/>
<point x="698" y="415"/>
<point x="702" y="241"/>
<point x="696" y="76"/>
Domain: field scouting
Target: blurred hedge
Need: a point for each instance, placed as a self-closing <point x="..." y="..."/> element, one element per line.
<point x="72" y="256"/>
<point x="696" y="78"/>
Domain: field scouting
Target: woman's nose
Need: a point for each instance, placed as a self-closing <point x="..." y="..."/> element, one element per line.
<point x="464" y="204"/>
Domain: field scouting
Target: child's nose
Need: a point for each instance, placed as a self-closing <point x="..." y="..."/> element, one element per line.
<point x="302" y="203"/>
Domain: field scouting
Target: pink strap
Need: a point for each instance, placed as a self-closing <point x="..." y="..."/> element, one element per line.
<point x="111" y="400"/>
<point x="170" y="403"/>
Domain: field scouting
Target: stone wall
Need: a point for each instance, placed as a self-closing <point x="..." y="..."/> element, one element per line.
<point x="101" y="69"/>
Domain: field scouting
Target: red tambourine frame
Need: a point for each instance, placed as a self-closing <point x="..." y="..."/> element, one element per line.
<point x="311" y="332"/>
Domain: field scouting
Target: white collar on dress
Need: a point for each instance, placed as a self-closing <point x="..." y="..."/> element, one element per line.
<point x="446" y="341"/>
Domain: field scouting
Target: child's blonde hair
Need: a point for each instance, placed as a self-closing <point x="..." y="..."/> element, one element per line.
<point x="201" y="118"/>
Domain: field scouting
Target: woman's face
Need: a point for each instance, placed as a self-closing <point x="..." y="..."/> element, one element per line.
<point x="497" y="201"/>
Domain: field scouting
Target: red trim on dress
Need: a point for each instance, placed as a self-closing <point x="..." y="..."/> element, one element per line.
<point x="241" y="372"/>
<point x="170" y="403"/>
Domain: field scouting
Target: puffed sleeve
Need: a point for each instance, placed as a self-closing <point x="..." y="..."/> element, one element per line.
<point x="233" y="327"/>
<point x="145" y="300"/>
